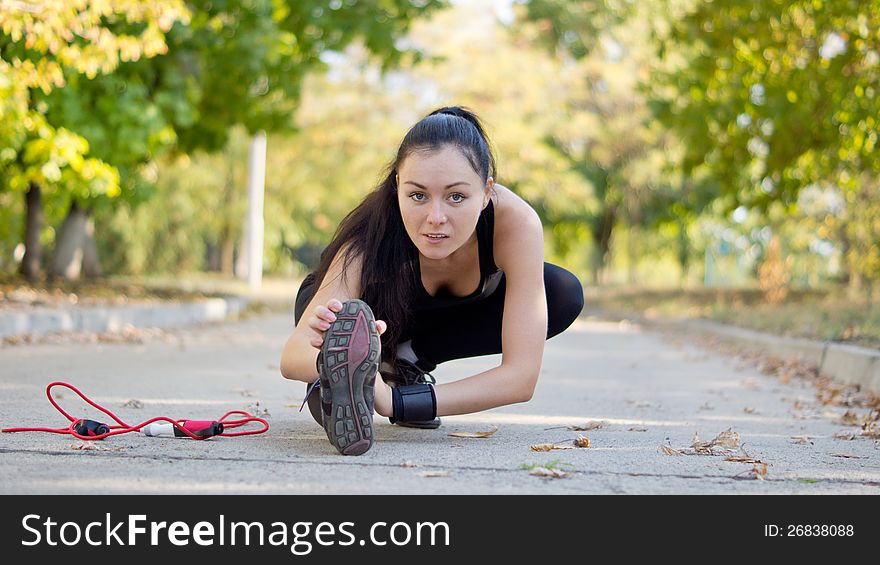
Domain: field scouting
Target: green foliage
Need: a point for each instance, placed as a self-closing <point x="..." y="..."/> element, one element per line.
<point x="773" y="96"/>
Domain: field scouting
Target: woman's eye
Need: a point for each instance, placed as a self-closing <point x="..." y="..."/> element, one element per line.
<point x="417" y="196"/>
<point x="457" y="198"/>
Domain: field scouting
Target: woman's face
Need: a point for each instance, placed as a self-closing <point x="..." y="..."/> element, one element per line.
<point x="440" y="195"/>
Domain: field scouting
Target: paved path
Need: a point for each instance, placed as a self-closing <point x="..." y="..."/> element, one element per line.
<point x="647" y="388"/>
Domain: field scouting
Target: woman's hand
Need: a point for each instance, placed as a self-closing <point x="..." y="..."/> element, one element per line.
<point x="320" y="321"/>
<point x="323" y="316"/>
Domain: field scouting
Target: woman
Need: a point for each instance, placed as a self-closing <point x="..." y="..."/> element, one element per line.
<point x="452" y="265"/>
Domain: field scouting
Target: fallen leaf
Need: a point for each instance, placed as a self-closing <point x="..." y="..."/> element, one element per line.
<point x="801" y="440"/>
<point x="849" y="418"/>
<point x="255" y="410"/>
<point x="133" y="403"/>
<point x="669" y="450"/>
<point x="759" y="471"/>
<point x="94" y="447"/>
<point x="742" y="459"/>
<point x="849" y="436"/>
<point x="548" y="473"/>
<point x="870" y="430"/>
<point x="431" y="474"/>
<point x="475" y="434"/>
<point x="848" y="455"/>
<point x="591" y="425"/>
<point x="408" y="464"/>
<point x="582" y="441"/>
<point x="551" y="446"/>
<point x="727" y="438"/>
<point x="637" y="429"/>
<point x="542" y="447"/>
<point x="749" y="410"/>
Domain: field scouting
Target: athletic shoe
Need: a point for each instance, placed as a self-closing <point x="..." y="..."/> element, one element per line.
<point x="347" y="366"/>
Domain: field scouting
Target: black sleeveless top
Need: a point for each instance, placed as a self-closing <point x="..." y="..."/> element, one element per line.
<point x="490" y="274"/>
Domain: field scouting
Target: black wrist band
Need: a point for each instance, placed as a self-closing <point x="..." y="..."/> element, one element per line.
<point x="413" y="403"/>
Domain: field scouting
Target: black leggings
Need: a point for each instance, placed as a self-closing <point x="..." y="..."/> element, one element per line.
<point x="474" y="329"/>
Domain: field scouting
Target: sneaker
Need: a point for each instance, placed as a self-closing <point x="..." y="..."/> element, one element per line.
<point x="347" y="366"/>
<point x="403" y="373"/>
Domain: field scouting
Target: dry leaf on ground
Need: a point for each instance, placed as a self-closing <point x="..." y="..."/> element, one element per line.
<point x="582" y="441"/>
<point x="725" y="440"/>
<point x="850" y="418"/>
<point x="848" y="455"/>
<point x="742" y="459"/>
<point x="548" y="473"/>
<point x="591" y="425"/>
<point x="669" y="450"/>
<point x="801" y="440"/>
<point x="475" y="434"/>
<point x="408" y="464"/>
<point x="133" y="403"/>
<point x="637" y="429"/>
<point x="758" y="472"/>
<point x="94" y="447"/>
<point x="547" y="447"/>
<point x="849" y="436"/>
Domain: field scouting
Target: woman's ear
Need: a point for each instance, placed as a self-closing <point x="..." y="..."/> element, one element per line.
<point x="490" y="184"/>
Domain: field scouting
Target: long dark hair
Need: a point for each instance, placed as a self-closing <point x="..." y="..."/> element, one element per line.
<point x="374" y="230"/>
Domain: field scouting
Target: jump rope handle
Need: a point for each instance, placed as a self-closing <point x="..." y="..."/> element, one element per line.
<point x="199" y="428"/>
<point x="90" y="428"/>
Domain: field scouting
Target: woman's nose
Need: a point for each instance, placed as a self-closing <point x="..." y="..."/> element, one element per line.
<point x="437" y="216"/>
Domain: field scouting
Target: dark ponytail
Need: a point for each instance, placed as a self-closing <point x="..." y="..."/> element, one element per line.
<point x="374" y="230"/>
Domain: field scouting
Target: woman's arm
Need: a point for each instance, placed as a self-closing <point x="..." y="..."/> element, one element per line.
<point x="519" y="251"/>
<point x="301" y="349"/>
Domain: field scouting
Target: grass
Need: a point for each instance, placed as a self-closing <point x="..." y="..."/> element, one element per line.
<point x="103" y="290"/>
<point x="826" y="314"/>
<point x="555" y="464"/>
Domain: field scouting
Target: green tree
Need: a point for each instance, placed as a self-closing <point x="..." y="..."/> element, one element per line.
<point x="39" y="44"/>
<point x="773" y="97"/>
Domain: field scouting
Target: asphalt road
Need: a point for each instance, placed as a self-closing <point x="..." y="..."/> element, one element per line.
<point x="647" y="389"/>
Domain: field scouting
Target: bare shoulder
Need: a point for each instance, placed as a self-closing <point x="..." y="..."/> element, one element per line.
<point x="518" y="229"/>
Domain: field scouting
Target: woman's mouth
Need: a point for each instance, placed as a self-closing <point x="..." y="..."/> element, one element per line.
<point x="435" y="237"/>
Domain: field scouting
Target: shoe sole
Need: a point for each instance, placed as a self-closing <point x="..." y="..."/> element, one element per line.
<point x="422" y="425"/>
<point x="350" y="352"/>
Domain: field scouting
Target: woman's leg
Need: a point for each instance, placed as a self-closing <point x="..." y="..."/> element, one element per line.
<point x="474" y="329"/>
<point x="303" y="297"/>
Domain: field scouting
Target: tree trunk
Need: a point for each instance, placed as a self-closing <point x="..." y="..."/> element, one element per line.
<point x="631" y="252"/>
<point x="33" y="249"/>
<point x="91" y="259"/>
<point x="69" y="245"/>
<point x="227" y="257"/>
<point x="684" y="254"/>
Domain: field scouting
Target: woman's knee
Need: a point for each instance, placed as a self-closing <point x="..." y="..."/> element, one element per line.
<point x="565" y="298"/>
<point x="303" y="297"/>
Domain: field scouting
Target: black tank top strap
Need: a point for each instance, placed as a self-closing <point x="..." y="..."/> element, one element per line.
<point x="485" y="236"/>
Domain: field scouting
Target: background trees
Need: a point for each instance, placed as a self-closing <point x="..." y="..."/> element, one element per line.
<point x="659" y="141"/>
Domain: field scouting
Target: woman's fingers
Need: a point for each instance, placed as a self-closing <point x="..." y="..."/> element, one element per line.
<point x="381" y="326"/>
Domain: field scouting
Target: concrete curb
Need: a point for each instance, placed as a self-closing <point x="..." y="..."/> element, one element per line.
<point x="99" y="319"/>
<point x="847" y="363"/>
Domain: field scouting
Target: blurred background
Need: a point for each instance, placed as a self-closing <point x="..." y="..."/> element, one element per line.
<point x="687" y="157"/>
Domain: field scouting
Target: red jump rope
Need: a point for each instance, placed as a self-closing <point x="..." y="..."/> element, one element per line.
<point x="82" y="428"/>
